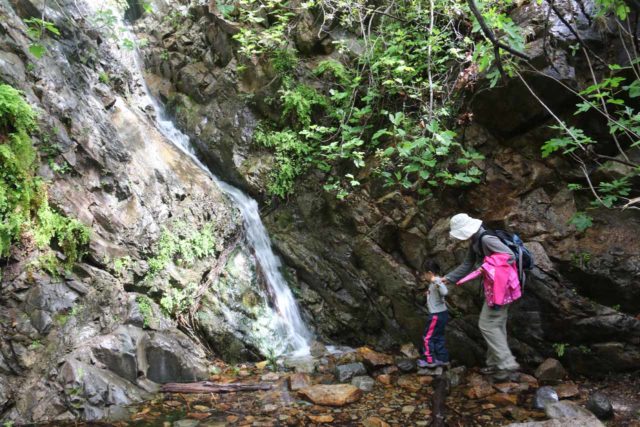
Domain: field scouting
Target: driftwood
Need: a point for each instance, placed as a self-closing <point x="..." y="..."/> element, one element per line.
<point x="441" y="388"/>
<point x="209" y="387"/>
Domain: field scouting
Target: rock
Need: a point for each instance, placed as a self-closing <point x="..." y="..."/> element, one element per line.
<point x="262" y="365"/>
<point x="525" y="378"/>
<point x="568" y="389"/>
<point x="563" y="422"/>
<point x="480" y="390"/>
<point x="550" y="371"/>
<point x="503" y="399"/>
<point x="430" y="371"/>
<point x="318" y="349"/>
<point x="511" y="387"/>
<point x="544" y="396"/>
<point x="408" y="410"/>
<point x="425" y="379"/>
<point x="600" y="405"/>
<point x="346" y="372"/>
<point x="299" y="381"/>
<point x="172" y="357"/>
<point x="270" y="376"/>
<point x="567" y="409"/>
<point x="410" y="351"/>
<point x="305" y="365"/>
<point x="384" y="379"/>
<point x="268" y="408"/>
<point x="456" y="375"/>
<point x="364" y="383"/>
<point x="374" y="422"/>
<point x="406" y="365"/>
<point x="320" y="419"/>
<point x="409" y="382"/>
<point x="332" y="394"/>
<point x="374" y="359"/>
<point x="186" y="423"/>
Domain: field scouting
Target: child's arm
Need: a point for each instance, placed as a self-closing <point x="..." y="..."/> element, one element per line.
<point x="442" y="288"/>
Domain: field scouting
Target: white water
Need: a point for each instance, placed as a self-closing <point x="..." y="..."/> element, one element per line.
<point x="291" y="325"/>
<point x="283" y="321"/>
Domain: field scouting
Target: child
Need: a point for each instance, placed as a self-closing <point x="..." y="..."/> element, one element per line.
<point x="433" y="347"/>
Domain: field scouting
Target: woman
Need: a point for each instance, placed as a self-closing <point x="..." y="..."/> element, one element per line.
<point x="493" y="320"/>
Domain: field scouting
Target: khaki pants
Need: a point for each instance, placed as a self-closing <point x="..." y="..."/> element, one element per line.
<point x="493" y="325"/>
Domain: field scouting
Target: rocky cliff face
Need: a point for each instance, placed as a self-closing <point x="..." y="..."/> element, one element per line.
<point x="84" y="342"/>
<point x="352" y="261"/>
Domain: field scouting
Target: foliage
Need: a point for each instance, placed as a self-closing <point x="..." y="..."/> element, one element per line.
<point x="177" y="301"/>
<point x="390" y="107"/>
<point x="144" y="305"/>
<point x="182" y="244"/>
<point x="36" y="29"/>
<point x="24" y="209"/>
<point x="560" y="348"/>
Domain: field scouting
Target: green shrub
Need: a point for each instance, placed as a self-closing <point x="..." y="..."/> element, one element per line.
<point x="25" y="213"/>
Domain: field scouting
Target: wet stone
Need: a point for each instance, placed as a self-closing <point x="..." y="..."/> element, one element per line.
<point x="346" y="372"/>
<point x="550" y="371"/>
<point x="373" y="359"/>
<point x="568" y="389"/>
<point x="298" y="381"/>
<point x="566" y="409"/>
<point x="364" y="383"/>
<point x="406" y="365"/>
<point x="600" y="405"/>
<point x="544" y="396"/>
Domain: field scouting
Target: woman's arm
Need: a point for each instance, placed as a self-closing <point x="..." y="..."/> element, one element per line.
<point x="464" y="268"/>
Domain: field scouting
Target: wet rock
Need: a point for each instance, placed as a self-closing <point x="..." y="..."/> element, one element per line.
<point x="270" y="376"/>
<point x="568" y="389"/>
<point x="550" y="371"/>
<point x="410" y="351"/>
<point x="172" y="357"/>
<point x="318" y="349"/>
<point x="544" y="396"/>
<point x="406" y="365"/>
<point x="305" y="365"/>
<point x="456" y="375"/>
<point x="373" y="359"/>
<point x="567" y="409"/>
<point x="364" y="383"/>
<point x="503" y="399"/>
<point x="332" y="395"/>
<point x="346" y="372"/>
<point x="299" y="381"/>
<point x="374" y="422"/>
<point x="563" y="422"/>
<point x="511" y="387"/>
<point x="321" y="419"/>
<point x="384" y="379"/>
<point x="600" y="405"/>
<point x="409" y="382"/>
<point x="479" y="390"/>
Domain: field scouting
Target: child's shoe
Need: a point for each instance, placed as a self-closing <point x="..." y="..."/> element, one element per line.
<point x="424" y="364"/>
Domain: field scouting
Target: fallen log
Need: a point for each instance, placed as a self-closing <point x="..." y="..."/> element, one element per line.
<point x="441" y="388"/>
<point x="209" y="387"/>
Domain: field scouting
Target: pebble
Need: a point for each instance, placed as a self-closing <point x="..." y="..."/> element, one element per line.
<point x="568" y="389"/>
<point x="409" y="409"/>
<point x="271" y="376"/>
<point x="384" y="379"/>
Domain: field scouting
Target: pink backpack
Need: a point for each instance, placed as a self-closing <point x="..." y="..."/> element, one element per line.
<point x="501" y="283"/>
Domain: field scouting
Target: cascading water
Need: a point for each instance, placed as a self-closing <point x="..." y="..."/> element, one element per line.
<point x="279" y="321"/>
<point x="291" y="325"/>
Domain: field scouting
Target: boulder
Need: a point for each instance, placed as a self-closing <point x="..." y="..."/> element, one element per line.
<point x="332" y="394"/>
<point x="373" y="359"/>
<point x="600" y="405"/>
<point x="346" y="372"/>
<point x="364" y="382"/>
<point x="550" y="371"/>
<point x="172" y="357"/>
<point x="409" y="350"/>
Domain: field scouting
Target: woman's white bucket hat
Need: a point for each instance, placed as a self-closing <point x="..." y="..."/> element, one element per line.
<point x="463" y="226"/>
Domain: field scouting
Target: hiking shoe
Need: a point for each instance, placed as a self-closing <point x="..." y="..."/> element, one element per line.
<point x="424" y="364"/>
<point x="502" y="375"/>
<point x="488" y="370"/>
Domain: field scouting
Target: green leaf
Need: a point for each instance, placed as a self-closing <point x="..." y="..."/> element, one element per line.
<point x="37" y="50"/>
<point x="581" y="221"/>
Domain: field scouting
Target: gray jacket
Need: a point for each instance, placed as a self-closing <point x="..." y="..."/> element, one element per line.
<point x="435" y="296"/>
<point x="477" y="251"/>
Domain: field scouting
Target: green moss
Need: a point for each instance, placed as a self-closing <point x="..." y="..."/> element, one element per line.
<point x="25" y="214"/>
<point x="144" y="304"/>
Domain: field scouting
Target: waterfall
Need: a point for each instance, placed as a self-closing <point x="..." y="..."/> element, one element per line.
<point x="281" y="318"/>
<point x="290" y="322"/>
